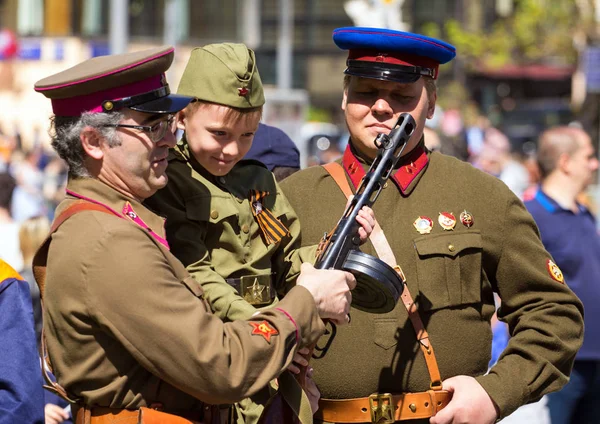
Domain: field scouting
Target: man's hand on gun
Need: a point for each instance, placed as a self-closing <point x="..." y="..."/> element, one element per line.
<point x="330" y="289"/>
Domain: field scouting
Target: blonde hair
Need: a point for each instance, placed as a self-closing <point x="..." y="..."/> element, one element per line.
<point x="32" y="233"/>
<point x="233" y="114"/>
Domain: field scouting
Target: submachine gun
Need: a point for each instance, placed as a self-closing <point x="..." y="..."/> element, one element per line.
<point x="378" y="285"/>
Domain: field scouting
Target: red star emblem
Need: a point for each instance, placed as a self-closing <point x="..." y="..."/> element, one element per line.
<point x="263" y="329"/>
<point x="243" y="91"/>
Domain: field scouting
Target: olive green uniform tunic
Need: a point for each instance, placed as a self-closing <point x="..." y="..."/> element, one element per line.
<point x="127" y="326"/>
<point x="211" y="229"/>
<point x="452" y="276"/>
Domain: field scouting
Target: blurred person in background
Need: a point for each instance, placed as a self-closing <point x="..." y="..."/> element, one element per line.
<point x="496" y="159"/>
<point x="276" y="150"/>
<point x="9" y="228"/>
<point x="28" y="197"/>
<point x="567" y="163"/>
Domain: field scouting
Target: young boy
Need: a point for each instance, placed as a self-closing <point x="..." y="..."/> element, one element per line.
<point x="227" y="220"/>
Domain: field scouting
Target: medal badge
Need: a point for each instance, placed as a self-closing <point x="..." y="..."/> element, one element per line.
<point x="423" y="224"/>
<point x="447" y="220"/>
<point x="467" y="219"/>
<point x="555" y="272"/>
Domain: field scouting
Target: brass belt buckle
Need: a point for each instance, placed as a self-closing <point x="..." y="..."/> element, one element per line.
<point x="256" y="289"/>
<point x="382" y="408"/>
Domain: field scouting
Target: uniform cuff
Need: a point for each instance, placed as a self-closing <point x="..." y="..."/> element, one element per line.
<point x="300" y="308"/>
<point x="506" y="397"/>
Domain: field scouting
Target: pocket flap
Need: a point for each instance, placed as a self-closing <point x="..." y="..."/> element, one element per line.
<point x="210" y="208"/>
<point x="450" y="244"/>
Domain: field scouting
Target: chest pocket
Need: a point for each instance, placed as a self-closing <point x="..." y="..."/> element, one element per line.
<point x="449" y="269"/>
<point x="212" y="210"/>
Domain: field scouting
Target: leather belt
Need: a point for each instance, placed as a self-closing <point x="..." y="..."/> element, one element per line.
<point x="383" y="407"/>
<point x="255" y="289"/>
<point x="103" y="415"/>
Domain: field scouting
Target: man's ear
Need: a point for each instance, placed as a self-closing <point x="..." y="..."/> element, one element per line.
<point x="431" y="106"/>
<point x="180" y="117"/>
<point x="92" y="142"/>
<point x="563" y="163"/>
<point x="345" y="99"/>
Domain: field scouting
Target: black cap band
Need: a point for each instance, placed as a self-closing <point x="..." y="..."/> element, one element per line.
<point x="387" y="71"/>
<point x="113" y="105"/>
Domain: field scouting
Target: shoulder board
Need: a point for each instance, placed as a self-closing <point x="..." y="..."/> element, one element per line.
<point x="7" y="272"/>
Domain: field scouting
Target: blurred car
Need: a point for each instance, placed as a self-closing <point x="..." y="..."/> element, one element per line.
<point x="529" y="119"/>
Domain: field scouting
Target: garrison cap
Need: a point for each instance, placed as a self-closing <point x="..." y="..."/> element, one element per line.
<point x="223" y="73"/>
<point x="108" y="83"/>
<point x="390" y="55"/>
<point x="273" y="147"/>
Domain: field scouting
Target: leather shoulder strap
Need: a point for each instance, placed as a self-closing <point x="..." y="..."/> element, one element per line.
<point x="40" y="261"/>
<point x="338" y="173"/>
<point x="386" y="254"/>
<point x="41" y="255"/>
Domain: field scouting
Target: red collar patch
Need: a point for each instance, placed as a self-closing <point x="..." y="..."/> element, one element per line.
<point x="412" y="165"/>
<point x="263" y="329"/>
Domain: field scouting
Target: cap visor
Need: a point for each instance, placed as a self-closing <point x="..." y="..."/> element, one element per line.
<point x="168" y="104"/>
<point x="401" y="77"/>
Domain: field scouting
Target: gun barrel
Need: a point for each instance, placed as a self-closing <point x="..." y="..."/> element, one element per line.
<point x="345" y="236"/>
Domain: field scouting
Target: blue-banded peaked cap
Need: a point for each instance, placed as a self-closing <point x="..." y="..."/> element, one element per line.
<point x="391" y="55"/>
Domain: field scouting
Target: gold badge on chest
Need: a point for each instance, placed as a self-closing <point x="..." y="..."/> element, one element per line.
<point x="447" y="220"/>
<point x="423" y="224"/>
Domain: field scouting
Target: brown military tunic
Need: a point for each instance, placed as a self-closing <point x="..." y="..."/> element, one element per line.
<point x="451" y="274"/>
<point x="127" y="325"/>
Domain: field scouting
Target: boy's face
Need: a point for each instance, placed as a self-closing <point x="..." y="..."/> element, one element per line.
<point x="216" y="142"/>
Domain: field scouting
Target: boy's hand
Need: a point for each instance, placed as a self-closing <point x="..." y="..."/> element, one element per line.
<point x="366" y="219"/>
<point x="300" y="360"/>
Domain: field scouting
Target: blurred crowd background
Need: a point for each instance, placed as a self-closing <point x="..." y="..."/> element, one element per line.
<point x="522" y="66"/>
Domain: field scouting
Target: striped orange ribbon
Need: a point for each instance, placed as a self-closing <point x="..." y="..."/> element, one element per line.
<point x="272" y="228"/>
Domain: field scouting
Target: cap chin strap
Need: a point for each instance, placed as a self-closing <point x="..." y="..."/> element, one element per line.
<point x="125" y="102"/>
<point x="387" y="71"/>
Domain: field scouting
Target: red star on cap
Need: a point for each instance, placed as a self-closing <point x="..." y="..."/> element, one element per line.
<point x="263" y="329"/>
<point x="242" y="91"/>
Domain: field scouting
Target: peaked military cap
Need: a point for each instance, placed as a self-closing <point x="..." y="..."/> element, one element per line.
<point x="223" y="73"/>
<point x="109" y="83"/>
<point x="386" y="54"/>
<point x="273" y="147"/>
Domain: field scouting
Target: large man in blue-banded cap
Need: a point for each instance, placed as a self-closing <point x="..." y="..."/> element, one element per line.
<point x="459" y="236"/>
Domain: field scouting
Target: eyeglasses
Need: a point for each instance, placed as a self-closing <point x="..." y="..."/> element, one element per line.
<point x="156" y="132"/>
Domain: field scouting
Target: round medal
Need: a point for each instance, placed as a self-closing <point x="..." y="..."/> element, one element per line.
<point x="466" y="218"/>
<point x="447" y="220"/>
<point x="423" y="224"/>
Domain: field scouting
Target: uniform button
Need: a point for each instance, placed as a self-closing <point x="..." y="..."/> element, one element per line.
<point x="451" y="247"/>
<point x="214" y="214"/>
<point x="222" y="180"/>
<point x="245" y="228"/>
<point x="385" y="185"/>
